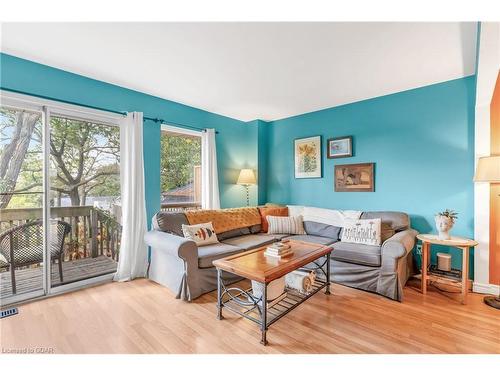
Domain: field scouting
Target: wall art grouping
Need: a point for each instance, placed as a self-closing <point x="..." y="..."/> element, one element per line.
<point x="347" y="177"/>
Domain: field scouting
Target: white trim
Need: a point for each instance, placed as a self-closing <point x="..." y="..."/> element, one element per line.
<point x="46" y="207"/>
<point x="179" y="130"/>
<point x="487" y="72"/>
<point x="12" y="99"/>
<point x="21" y="298"/>
<point x="486" y="288"/>
<point x="39" y="295"/>
<point x="77" y="285"/>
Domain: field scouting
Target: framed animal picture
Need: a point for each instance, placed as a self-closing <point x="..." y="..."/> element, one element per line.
<point x="308" y="157"/>
<point x="340" y="147"/>
<point x="354" y="177"/>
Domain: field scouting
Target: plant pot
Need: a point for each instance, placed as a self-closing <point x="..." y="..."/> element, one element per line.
<point x="443" y="226"/>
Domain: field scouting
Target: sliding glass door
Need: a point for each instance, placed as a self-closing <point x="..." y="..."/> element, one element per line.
<point x="60" y="209"/>
<point x="84" y="198"/>
<point x="21" y="201"/>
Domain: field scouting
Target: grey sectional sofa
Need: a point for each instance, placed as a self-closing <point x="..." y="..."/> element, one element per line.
<point x="187" y="269"/>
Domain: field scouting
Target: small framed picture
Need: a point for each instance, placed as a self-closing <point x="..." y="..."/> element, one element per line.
<point x="340" y="147"/>
<point x="354" y="177"/>
<point x="308" y="157"/>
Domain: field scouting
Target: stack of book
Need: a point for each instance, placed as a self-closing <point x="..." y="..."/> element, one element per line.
<point x="278" y="250"/>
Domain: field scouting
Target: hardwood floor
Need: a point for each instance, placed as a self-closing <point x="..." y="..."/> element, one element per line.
<point x="144" y="317"/>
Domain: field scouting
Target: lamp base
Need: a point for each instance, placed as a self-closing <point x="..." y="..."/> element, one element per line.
<point x="492" y="301"/>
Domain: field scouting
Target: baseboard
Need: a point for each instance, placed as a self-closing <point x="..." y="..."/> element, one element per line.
<point x="486" y="289"/>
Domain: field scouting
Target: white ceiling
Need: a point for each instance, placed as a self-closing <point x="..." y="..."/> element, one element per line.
<point x="253" y="70"/>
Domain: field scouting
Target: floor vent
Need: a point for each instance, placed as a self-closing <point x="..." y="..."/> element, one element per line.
<point x="8" y="312"/>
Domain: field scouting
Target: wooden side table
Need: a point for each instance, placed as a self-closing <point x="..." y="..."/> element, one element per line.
<point x="464" y="244"/>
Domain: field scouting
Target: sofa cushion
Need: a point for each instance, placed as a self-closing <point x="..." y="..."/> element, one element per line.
<point x="313" y="239"/>
<point x="397" y="220"/>
<point x="250" y="241"/>
<point x="356" y="253"/>
<point x="322" y="230"/>
<point x="270" y="211"/>
<point x="276" y="236"/>
<point x="386" y="231"/>
<point x="170" y="222"/>
<point x="233" y="233"/>
<point x="207" y="254"/>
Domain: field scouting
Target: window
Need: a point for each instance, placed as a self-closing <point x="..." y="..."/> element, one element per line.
<point x="180" y="168"/>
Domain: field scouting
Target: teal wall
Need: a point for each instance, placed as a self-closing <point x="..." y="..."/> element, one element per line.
<point x="421" y="141"/>
<point x="236" y="141"/>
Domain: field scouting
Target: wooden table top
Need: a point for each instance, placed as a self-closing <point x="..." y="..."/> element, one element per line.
<point x="453" y="241"/>
<point x="254" y="265"/>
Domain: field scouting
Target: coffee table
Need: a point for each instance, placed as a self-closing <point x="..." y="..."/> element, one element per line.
<point x="256" y="266"/>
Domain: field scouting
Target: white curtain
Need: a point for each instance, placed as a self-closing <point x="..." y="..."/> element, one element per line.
<point x="133" y="251"/>
<point x="209" y="178"/>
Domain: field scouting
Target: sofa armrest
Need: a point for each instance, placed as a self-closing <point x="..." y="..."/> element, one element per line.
<point x="172" y="245"/>
<point x="396" y="247"/>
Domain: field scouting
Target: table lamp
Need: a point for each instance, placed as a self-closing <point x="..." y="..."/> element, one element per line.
<point x="488" y="170"/>
<point x="246" y="178"/>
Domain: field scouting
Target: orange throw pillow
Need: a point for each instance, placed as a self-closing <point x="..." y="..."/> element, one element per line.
<point x="272" y="211"/>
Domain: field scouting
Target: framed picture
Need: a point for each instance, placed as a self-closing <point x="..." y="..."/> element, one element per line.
<point x="354" y="177"/>
<point x="340" y="147"/>
<point x="308" y="157"/>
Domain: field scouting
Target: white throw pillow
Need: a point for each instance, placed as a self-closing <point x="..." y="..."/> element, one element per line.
<point x="285" y="225"/>
<point x="364" y="231"/>
<point x="202" y="234"/>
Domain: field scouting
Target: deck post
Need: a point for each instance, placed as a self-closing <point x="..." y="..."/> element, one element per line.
<point x="93" y="225"/>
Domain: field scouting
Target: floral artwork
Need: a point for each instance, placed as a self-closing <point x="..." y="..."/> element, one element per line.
<point x="308" y="157"/>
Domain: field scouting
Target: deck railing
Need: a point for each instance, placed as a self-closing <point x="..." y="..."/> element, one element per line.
<point x="180" y="206"/>
<point x="94" y="232"/>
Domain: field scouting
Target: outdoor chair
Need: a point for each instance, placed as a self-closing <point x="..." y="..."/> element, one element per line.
<point x="23" y="246"/>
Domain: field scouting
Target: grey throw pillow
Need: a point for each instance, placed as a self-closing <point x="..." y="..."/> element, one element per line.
<point x="323" y="230"/>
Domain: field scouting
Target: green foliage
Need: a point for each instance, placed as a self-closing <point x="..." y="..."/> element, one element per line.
<point x="453" y="215"/>
<point x="179" y="155"/>
<point x="84" y="160"/>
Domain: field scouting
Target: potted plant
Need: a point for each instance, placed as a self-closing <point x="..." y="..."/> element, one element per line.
<point x="444" y="222"/>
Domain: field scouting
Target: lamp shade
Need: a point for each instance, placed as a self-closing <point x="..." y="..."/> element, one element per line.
<point x="488" y="169"/>
<point x="246" y="177"/>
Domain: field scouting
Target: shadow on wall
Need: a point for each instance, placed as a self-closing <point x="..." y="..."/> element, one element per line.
<point x="421" y="224"/>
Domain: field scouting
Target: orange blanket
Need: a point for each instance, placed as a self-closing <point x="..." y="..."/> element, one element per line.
<point x="226" y="219"/>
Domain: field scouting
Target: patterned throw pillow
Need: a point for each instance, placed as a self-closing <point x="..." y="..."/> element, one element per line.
<point x="202" y="234"/>
<point x="274" y="211"/>
<point x="285" y="225"/>
<point x="363" y="231"/>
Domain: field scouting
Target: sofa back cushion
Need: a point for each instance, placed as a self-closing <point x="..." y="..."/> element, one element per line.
<point x="270" y="211"/>
<point x="233" y="233"/>
<point x="170" y="222"/>
<point x="285" y="225"/>
<point x="397" y="220"/>
<point x="314" y="228"/>
<point x="226" y="219"/>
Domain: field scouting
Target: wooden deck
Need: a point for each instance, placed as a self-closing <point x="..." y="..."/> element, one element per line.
<point x="30" y="279"/>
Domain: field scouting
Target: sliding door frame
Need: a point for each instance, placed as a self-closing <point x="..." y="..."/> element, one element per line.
<point x="49" y="108"/>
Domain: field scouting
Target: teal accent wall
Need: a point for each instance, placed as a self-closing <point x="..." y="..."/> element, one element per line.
<point x="421" y="141"/>
<point x="422" y="144"/>
<point x="236" y="141"/>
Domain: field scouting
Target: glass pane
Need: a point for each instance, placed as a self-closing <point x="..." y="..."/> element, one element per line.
<point x="180" y="171"/>
<point x="85" y="199"/>
<point x="21" y="198"/>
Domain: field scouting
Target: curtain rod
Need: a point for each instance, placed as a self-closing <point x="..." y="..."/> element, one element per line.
<point x="123" y="113"/>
